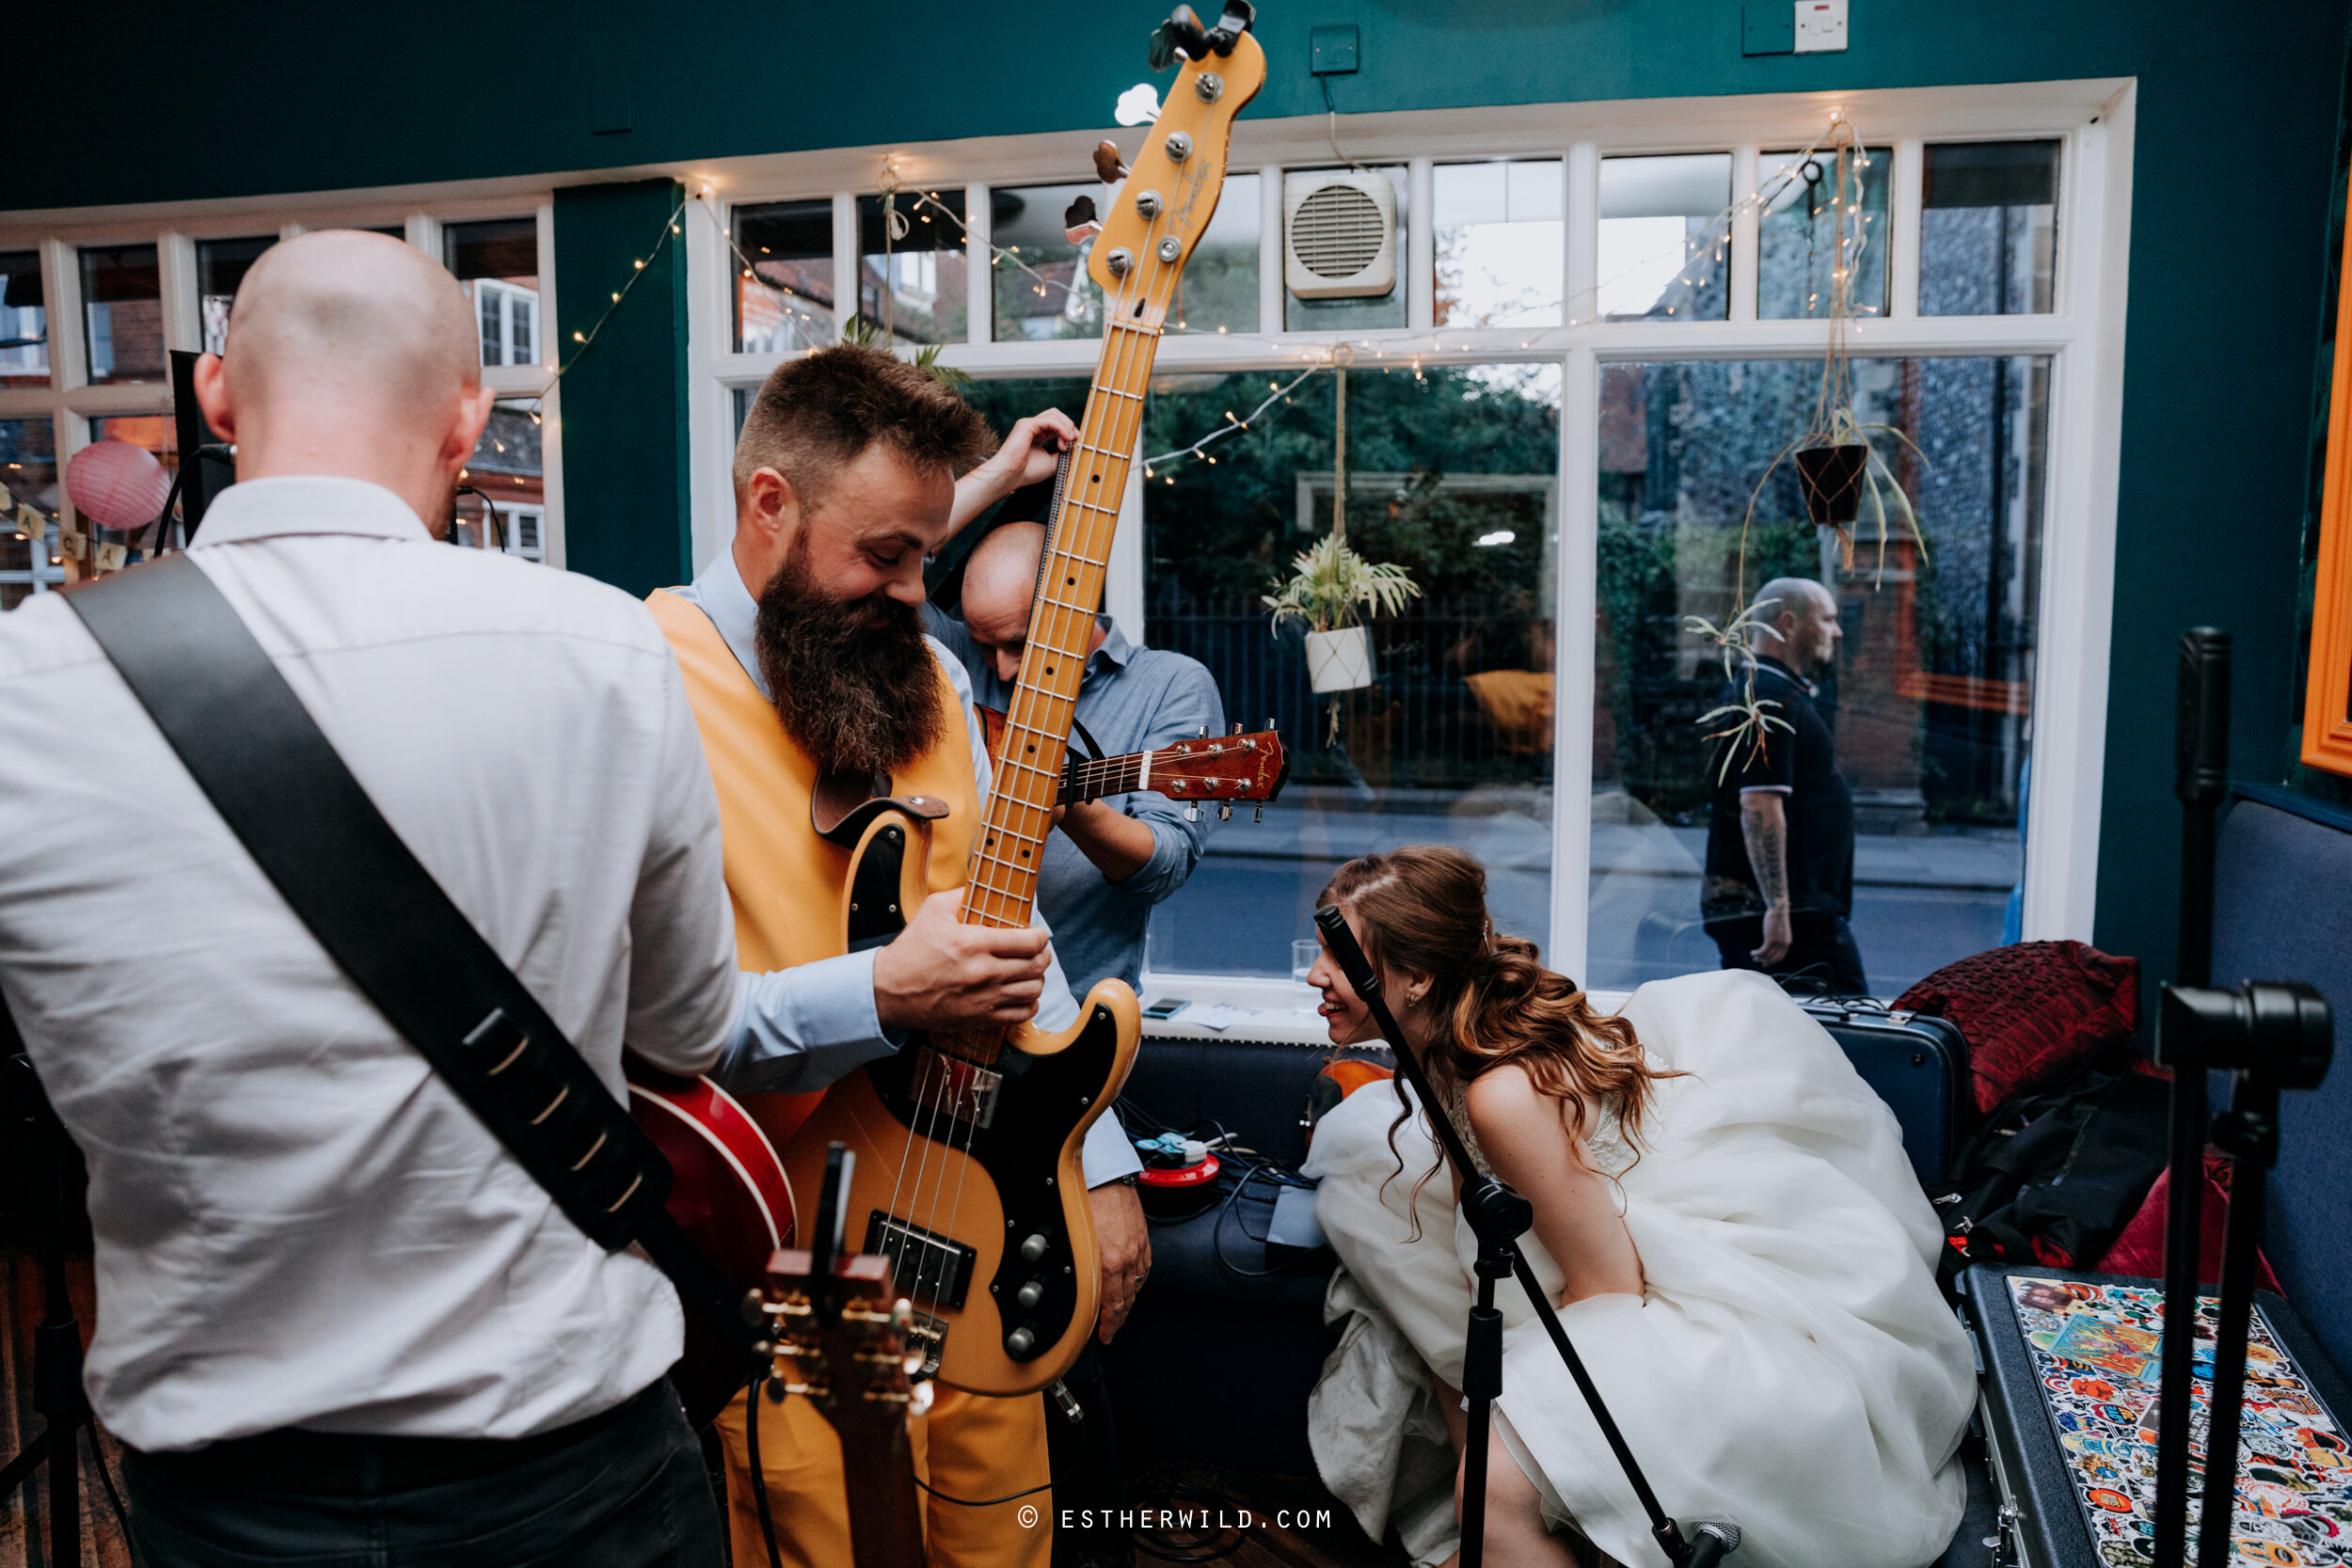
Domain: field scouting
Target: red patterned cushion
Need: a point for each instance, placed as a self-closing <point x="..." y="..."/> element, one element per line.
<point x="2139" y="1248"/>
<point x="2034" y="1012"/>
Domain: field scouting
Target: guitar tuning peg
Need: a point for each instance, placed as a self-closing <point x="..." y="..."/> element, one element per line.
<point x="1269" y="721"/>
<point x="1225" y="812"/>
<point x="1192" y="813"/>
<point x="1258" y="815"/>
<point x="1079" y="223"/>
<point x="1237" y="727"/>
<point x="1108" y="168"/>
<point x="1204" y="732"/>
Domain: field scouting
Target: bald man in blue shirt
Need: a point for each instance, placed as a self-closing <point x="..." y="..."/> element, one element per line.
<point x="1113" y="860"/>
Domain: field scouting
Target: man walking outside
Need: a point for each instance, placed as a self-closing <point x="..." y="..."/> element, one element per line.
<point x="1779" y="887"/>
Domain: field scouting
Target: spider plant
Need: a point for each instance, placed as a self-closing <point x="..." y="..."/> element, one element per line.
<point x="1331" y="587"/>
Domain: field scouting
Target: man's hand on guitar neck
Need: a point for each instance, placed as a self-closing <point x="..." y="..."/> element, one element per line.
<point x="1029" y="456"/>
<point x="941" y="974"/>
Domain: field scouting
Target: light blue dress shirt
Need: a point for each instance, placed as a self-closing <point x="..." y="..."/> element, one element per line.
<point x="803" y="1027"/>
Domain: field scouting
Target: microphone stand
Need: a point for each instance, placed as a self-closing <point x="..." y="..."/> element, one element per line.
<point x="1500" y="1217"/>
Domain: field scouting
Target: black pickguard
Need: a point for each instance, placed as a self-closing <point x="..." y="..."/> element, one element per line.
<point x="1039" y="1103"/>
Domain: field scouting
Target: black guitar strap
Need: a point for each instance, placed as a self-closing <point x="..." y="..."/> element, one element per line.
<point x="275" y="779"/>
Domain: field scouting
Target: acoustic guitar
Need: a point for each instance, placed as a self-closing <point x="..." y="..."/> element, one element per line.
<point x="968" y="1174"/>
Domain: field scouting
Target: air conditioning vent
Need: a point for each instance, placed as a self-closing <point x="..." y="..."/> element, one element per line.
<point x="1339" y="235"/>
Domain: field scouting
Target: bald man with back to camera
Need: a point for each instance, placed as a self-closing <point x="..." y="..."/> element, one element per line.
<point x="1779" y="887"/>
<point x="337" y="1321"/>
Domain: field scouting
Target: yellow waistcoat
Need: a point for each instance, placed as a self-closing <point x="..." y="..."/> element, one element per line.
<point x="788" y="886"/>
<point x="787" y="883"/>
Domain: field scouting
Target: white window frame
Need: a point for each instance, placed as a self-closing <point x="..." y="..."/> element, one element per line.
<point x="2082" y="336"/>
<point x="69" y="402"/>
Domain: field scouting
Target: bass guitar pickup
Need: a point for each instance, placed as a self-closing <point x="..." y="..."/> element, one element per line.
<point x="927" y="1264"/>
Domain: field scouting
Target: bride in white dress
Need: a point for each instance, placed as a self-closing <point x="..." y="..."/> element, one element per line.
<point x="1724" y="1216"/>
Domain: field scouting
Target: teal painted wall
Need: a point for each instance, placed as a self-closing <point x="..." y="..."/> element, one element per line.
<point x="623" y="403"/>
<point x="2236" y="132"/>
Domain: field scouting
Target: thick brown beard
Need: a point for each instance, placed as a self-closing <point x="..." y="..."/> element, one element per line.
<point x="852" y="682"/>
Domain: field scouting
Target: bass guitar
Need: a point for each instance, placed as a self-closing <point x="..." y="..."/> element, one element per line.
<point x="968" y="1174"/>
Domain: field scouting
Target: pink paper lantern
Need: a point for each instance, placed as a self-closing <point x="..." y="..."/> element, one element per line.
<point x="116" y="484"/>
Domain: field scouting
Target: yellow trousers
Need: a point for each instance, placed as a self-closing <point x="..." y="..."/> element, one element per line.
<point x="970" y="1445"/>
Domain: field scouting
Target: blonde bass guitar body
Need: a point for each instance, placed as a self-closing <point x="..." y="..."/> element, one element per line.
<point x="967" y="1174"/>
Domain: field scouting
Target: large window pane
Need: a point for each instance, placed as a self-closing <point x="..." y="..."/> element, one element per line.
<point x="1451" y="474"/>
<point x="1343" y="315"/>
<point x="1498" y="243"/>
<point x="499" y="265"/>
<point x="1803" y="239"/>
<point x="122" y="312"/>
<point x="23" y="321"/>
<point x="28" y="471"/>
<point x="1928" y="696"/>
<point x="913" y="284"/>
<point x="1218" y="291"/>
<point x="1987" y="227"/>
<point x="506" y="466"/>
<point x="1666" y="238"/>
<point x="1042" y="287"/>
<point x="788" y="305"/>
<point x="220" y="266"/>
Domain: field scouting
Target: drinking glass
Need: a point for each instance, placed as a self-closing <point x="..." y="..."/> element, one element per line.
<point x="1304" y="952"/>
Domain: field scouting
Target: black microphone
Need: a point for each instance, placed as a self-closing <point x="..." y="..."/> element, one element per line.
<point x="1711" y="1540"/>
<point x="1344" y="947"/>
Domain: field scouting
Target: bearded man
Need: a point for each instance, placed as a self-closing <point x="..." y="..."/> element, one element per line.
<point x="804" y="654"/>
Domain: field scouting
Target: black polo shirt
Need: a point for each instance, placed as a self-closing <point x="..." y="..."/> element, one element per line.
<point x="1802" y="760"/>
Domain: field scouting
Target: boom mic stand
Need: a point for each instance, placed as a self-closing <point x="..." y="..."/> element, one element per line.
<point x="1500" y="1217"/>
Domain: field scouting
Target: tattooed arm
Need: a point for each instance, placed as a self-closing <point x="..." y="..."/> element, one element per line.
<point x="1764" y="826"/>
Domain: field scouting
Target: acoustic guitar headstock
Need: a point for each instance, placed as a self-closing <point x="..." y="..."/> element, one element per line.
<point x="1222" y="769"/>
<point x="840" y="1332"/>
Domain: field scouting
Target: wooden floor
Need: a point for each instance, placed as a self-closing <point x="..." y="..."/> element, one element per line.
<point x="23" y="1516"/>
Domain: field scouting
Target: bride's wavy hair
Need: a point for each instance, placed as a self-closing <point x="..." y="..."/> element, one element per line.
<point x="1422" y="909"/>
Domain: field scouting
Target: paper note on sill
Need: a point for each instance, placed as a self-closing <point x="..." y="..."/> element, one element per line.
<point x="1224" y="1014"/>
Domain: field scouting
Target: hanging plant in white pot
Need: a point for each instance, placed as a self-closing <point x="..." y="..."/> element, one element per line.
<point x="1333" y="590"/>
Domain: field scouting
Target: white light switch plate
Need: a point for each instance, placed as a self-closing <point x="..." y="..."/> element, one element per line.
<point x="1820" y="26"/>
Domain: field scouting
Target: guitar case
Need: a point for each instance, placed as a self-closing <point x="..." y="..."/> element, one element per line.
<point x="2067" y="1410"/>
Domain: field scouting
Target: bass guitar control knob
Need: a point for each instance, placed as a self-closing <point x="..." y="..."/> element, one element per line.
<point x="1019" y="1341"/>
<point x="1034" y="1248"/>
<point x="1031" y="1293"/>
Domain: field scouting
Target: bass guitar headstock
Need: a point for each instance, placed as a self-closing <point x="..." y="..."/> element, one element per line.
<point x="1171" y="191"/>
<point x="840" y="1333"/>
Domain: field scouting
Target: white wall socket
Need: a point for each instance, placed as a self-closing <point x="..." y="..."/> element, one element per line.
<point x="1820" y="26"/>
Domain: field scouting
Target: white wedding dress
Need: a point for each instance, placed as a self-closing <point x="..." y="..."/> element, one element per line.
<point x="1791" y="1365"/>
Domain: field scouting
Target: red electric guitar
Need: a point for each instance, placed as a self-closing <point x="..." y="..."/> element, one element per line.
<point x="730" y="1198"/>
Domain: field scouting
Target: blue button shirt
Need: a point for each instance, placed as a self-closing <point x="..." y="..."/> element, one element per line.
<point x="1130" y="699"/>
<point x="805" y="1026"/>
